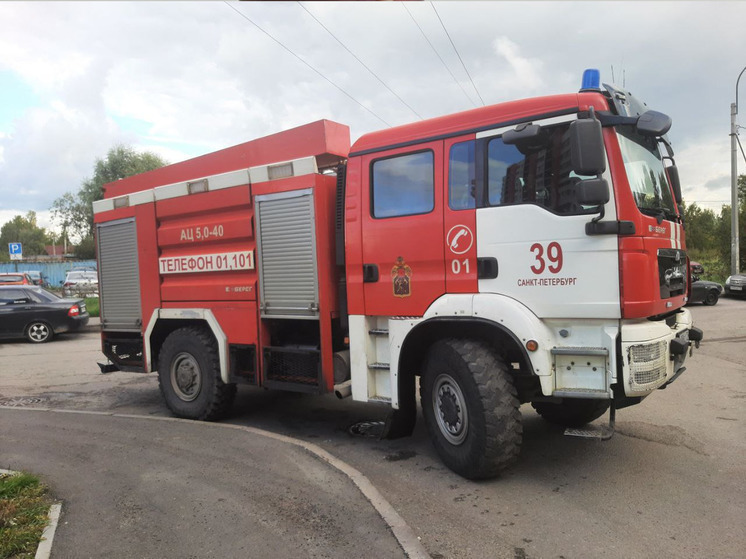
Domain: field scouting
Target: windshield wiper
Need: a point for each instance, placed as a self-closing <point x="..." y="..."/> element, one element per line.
<point x="660" y="214"/>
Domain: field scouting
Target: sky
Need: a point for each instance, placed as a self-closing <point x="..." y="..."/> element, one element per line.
<point x="185" y="78"/>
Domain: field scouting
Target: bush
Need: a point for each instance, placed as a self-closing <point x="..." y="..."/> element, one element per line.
<point x="92" y="306"/>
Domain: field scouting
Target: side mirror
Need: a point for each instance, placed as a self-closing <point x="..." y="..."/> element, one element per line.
<point x="653" y="123"/>
<point x="587" y="147"/>
<point x="592" y="192"/>
<point x="673" y="178"/>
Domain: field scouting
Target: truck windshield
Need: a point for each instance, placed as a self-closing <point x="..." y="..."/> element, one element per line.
<point x="646" y="173"/>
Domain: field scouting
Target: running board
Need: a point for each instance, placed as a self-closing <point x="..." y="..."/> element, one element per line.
<point x="600" y="432"/>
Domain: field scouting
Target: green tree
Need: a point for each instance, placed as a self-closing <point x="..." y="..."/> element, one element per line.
<point x="74" y="212"/>
<point x="23" y="230"/>
<point x="723" y="231"/>
<point x="701" y="227"/>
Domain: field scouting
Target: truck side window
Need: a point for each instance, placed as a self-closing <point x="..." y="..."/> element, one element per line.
<point x="461" y="177"/>
<point x="542" y="176"/>
<point x="403" y="185"/>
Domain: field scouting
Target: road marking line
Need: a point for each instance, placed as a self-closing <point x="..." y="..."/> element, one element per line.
<point x="407" y="539"/>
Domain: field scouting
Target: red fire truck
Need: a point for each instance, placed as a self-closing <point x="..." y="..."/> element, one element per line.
<point x="531" y="251"/>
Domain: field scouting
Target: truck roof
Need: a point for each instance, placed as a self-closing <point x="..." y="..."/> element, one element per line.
<point x="475" y="120"/>
<point x="326" y="140"/>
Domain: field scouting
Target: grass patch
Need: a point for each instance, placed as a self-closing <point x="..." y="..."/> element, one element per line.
<point x="24" y="504"/>
<point x="92" y="306"/>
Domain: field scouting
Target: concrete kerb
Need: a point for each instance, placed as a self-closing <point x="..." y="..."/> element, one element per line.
<point x="408" y="541"/>
<point x="94" y="325"/>
<point x="44" y="549"/>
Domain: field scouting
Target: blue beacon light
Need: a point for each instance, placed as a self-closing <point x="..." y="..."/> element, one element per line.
<point x="591" y="80"/>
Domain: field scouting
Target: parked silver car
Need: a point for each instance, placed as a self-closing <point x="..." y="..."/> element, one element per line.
<point x="80" y="284"/>
<point x="736" y="284"/>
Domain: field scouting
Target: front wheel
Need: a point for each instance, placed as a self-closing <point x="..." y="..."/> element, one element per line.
<point x="471" y="408"/>
<point x="711" y="299"/>
<point x="189" y="375"/>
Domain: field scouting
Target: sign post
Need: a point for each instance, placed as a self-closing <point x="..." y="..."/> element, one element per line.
<point x="16" y="251"/>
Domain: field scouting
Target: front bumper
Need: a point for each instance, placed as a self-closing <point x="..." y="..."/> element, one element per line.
<point x="653" y="352"/>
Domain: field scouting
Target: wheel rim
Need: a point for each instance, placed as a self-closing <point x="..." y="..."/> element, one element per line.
<point x="450" y="409"/>
<point x="38" y="332"/>
<point x="186" y="377"/>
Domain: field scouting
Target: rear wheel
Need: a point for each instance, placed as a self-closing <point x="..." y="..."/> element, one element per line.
<point x="39" y="332"/>
<point x="711" y="299"/>
<point x="571" y="412"/>
<point x="189" y="375"/>
<point x="471" y="408"/>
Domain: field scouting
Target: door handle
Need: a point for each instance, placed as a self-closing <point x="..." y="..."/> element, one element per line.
<point x="487" y="268"/>
<point x="370" y="273"/>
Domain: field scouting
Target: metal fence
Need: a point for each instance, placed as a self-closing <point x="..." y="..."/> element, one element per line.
<point x="53" y="273"/>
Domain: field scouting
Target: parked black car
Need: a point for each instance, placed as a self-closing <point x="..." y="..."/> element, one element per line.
<point x="736" y="284"/>
<point x="36" y="314"/>
<point x="705" y="292"/>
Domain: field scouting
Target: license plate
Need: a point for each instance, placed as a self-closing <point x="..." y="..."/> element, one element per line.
<point x="736" y="287"/>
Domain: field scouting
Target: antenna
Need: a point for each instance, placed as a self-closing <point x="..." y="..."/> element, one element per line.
<point x="613" y="79"/>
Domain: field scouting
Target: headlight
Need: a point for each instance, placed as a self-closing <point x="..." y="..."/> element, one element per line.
<point x="727" y="281"/>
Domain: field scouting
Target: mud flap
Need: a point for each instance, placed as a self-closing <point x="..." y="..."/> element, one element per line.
<point x="400" y="423"/>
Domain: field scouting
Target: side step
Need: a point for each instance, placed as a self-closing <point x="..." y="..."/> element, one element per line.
<point x="600" y="432"/>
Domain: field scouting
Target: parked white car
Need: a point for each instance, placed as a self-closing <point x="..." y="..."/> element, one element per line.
<point x="81" y="284"/>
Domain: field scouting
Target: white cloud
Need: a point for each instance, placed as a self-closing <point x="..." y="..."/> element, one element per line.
<point x="182" y="79"/>
<point x="704" y="169"/>
<point x="525" y="73"/>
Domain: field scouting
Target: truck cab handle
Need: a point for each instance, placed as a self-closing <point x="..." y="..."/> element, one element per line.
<point x="370" y="273"/>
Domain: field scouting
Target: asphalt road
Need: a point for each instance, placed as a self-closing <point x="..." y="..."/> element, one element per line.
<point x="670" y="483"/>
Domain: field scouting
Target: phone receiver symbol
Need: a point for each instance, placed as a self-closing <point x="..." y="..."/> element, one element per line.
<point x="454" y="242"/>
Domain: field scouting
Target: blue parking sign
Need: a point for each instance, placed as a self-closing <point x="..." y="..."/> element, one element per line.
<point x="15" y="250"/>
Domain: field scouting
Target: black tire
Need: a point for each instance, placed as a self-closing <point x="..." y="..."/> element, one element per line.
<point x="571" y="412"/>
<point x="711" y="299"/>
<point x="471" y="408"/>
<point x="189" y="376"/>
<point x="39" y="332"/>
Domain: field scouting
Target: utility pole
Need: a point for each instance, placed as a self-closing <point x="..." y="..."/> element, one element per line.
<point x="734" y="248"/>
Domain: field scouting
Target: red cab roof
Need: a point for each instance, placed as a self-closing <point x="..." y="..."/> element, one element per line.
<point x="482" y="118"/>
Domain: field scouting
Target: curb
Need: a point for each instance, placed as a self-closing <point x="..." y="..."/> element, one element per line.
<point x="44" y="549"/>
<point x="45" y="545"/>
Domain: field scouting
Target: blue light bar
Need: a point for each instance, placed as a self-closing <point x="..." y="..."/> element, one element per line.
<point x="591" y="80"/>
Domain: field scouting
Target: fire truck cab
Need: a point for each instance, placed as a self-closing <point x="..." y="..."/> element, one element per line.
<point x="531" y="251"/>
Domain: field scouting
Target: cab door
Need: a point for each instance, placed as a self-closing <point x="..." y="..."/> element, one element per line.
<point x="402" y="230"/>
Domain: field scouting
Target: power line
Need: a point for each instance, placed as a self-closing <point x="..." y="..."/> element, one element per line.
<point x="247" y="18"/>
<point x="404" y="5"/>
<point x="360" y="61"/>
<point x="457" y="53"/>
